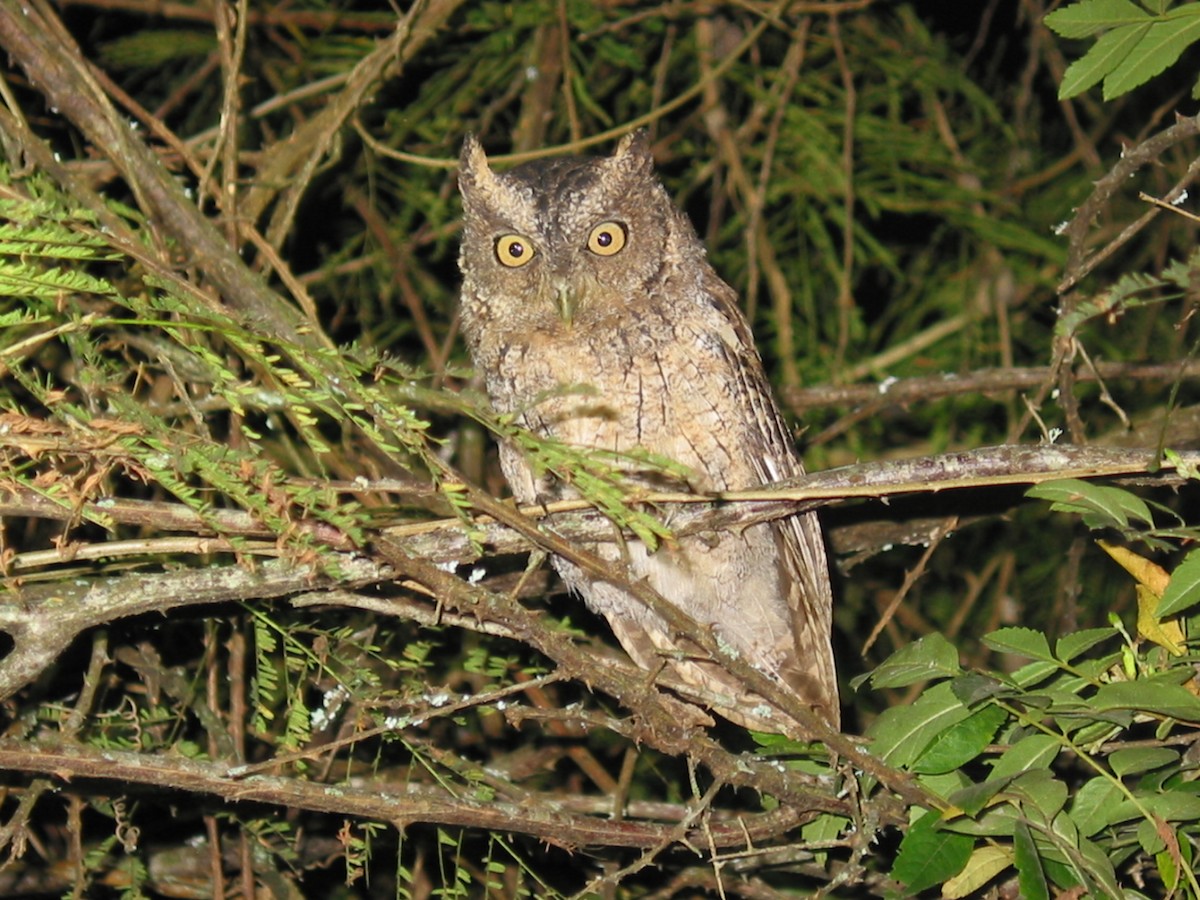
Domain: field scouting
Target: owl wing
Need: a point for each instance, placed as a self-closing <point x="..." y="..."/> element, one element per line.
<point x="810" y="669"/>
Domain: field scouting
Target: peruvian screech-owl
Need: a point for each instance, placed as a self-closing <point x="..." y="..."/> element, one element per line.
<point x="594" y="317"/>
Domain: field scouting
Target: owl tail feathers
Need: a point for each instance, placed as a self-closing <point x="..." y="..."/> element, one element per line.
<point x="706" y="683"/>
<point x="714" y="687"/>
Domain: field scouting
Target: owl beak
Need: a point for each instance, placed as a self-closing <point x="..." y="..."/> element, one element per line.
<point x="566" y="300"/>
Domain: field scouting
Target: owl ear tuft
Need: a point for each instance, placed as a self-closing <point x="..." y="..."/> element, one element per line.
<point x="474" y="173"/>
<point x="633" y="153"/>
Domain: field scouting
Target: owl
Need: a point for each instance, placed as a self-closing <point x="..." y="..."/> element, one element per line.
<point x="591" y="312"/>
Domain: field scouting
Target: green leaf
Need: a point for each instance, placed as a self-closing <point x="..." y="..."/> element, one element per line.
<point x="1159" y="47"/>
<point x="1095" y="804"/>
<point x="931" y="657"/>
<point x="1030" y="876"/>
<point x="1174" y="806"/>
<point x="1080" y="20"/>
<point x="1021" y="641"/>
<point x="986" y="862"/>
<point x="929" y="856"/>
<point x="1100" y="505"/>
<point x="903" y="732"/>
<point x="974" y="687"/>
<point x="1040" y="792"/>
<point x="974" y="797"/>
<point x="945" y="784"/>
<point x="1154" y="695"/>
<point x="1071" y="645"/>
<point x="1097" y="865"/>
<point x="1035" y="673"/>
<point x="1036" y="751"/>
<point x="823" y="828"/>
<point x="1141" y="759"/>
<point x="960" y="743"/>
<point x="1183" y="590"/>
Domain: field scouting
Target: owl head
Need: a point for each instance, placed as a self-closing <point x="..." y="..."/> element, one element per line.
<point x="561" y="243"/>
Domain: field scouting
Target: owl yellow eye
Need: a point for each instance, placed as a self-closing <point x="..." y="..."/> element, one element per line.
<point x="607" y="238"/>
<point x="514" y="250"/>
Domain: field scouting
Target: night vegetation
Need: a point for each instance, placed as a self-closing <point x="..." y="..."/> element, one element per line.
<point x="269" y="627"/>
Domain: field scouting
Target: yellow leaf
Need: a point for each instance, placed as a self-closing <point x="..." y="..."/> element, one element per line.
<point x="1166" y="633"/>
<point x="1152" y="575"/>
<point x="1152" y="580"/>
<point x="986" y="863"/>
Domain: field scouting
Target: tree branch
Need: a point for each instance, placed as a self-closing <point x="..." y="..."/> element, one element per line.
<point x="547" y="818"/>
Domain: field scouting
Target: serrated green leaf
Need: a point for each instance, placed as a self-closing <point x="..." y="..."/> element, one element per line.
<point x="930" y="657"/>
<point x="1072" y="645"/>
<point x="1153" y="695"/>
<point x="928" y="855"/>
<point x="1160" y="47"/>
<point x="1109" y="51"/>
<point x="1030" y="876"/>
<point x="1021" y="641"/>
<point x="902" y="733"/>
<point x="1183" y="590"/>
<point x="960" y="743"/>
<point x="1034" y="673"/>
<point x="975" y="687"/>
<point x="1080" y="20"/>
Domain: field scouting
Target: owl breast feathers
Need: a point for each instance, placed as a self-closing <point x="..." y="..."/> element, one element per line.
<point x="595" y="319"/>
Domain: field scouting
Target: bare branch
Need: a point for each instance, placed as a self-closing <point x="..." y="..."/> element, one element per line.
<point x="545" y="818"/>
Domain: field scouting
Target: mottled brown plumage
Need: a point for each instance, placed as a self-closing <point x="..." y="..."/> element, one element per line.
<point x="580" y="272"/>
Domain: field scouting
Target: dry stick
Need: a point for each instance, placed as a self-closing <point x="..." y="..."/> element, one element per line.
<point x="768" y="18"/>
<point x="425" y="714"/>
<point x="909" y="347"/>
<point x="756" y="201"/>
<point x="399" y="262"/>
<point x="732" y="768"/>
<point x="658" y="717"/>
<point x="1132" y="159"/>
<point x="910" y="578"/>
<point x="281" y="15"/>
<point x="760" y="251"/>
<point x="568" y="91"/>
<point x="39" y="639"/>
<point x="1077" y="267"/>
<point x="845" y="297"/>
<point x="445" y="540"/>
<point x="648" y="857"/>
<point x="34" y="38"/>
<point x="398" y="804"/>
<point x="295" y="161"/>
<point x="903" y="391"/>
<point x="813" y="726"/>
<point x="231" y="49"/>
